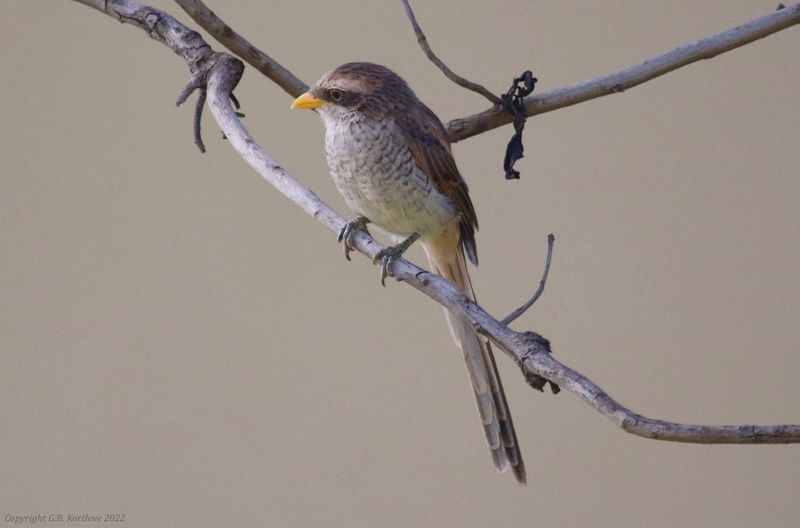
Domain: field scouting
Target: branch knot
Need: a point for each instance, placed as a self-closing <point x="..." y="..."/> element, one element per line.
<point x="534" y="344"/>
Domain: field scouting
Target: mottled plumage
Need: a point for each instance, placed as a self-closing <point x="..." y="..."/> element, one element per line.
<point x="390" y="158"/>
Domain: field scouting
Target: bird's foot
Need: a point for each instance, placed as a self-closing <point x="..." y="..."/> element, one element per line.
<point x="348" y="233"/>
<point x="392" y="253"/>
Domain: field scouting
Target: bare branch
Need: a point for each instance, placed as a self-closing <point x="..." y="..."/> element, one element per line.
<point x="639" y="425"/>
<point x="240" y="47"/>
<point x="161" y="27"/>
<point x="530" y="350"/>
<point x="510" y="318"/>
<point x="622" y="80"/>
<point x="423" y="43"/>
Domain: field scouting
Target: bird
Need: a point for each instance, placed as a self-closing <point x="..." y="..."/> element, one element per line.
<point x="390" y="158"/>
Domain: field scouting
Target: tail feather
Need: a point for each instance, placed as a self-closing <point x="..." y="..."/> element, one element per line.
<point x="446" y="257"/>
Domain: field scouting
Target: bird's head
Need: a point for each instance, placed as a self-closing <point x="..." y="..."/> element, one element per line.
<point x="357" y="88"/>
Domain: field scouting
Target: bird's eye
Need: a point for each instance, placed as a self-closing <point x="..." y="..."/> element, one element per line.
<point x="335" y="95"/>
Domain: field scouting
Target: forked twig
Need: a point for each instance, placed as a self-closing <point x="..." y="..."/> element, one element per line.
<point x="243" y="49"/>
<point x="619" y="81"/>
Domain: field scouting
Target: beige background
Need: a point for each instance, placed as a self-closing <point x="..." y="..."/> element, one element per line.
<point x="182" y="345"/>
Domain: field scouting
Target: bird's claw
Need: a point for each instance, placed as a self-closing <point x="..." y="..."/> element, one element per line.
<point x="388" y="255"/>
<point x="348" y="233"/>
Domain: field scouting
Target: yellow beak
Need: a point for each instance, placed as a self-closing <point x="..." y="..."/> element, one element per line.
<point x="307" y="101"/>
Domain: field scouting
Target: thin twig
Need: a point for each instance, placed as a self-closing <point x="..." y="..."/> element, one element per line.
<point x="522" y="309"/>
<point x="627" y="78"/>
<point x="243" y="49"/>
<point x="423" y="43"/>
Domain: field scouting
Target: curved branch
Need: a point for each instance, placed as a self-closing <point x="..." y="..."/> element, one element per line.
<point x="240" y="47"/>
<point x="622" y="80"/>
<point x="159" y="26"/>
<point x="450" y="74"/>
<point x="530" y="350"/>
<point x="639" y="425"/>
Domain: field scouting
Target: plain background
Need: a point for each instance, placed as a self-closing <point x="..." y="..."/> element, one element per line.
<point x="182" y="345"/>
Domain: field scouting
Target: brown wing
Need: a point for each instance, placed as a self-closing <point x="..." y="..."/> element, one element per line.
<point x="427" y="140"/>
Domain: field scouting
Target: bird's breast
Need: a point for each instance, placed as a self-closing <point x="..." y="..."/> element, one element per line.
<point x="374" y="170"/>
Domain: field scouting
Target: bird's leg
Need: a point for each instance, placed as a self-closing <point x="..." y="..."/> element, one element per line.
<point x="348" y="232"/>
<point x="392" y="253"/>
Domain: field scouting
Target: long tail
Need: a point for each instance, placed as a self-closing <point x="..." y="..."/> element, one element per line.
<point x="446" y="257"/>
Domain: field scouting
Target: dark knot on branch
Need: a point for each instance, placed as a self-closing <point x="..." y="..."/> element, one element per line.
<point x="534" y="344"/>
